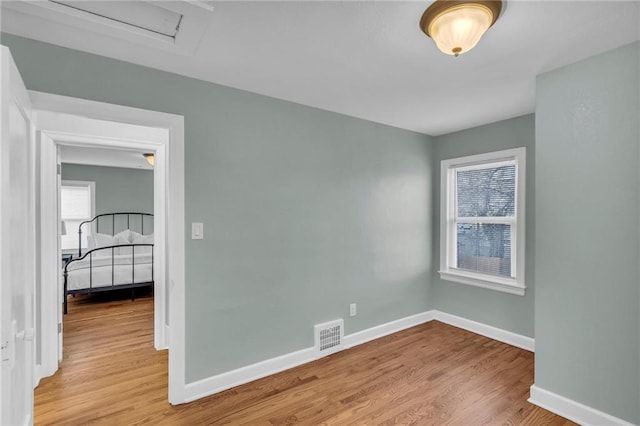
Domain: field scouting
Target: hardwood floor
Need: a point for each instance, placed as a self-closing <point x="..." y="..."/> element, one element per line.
<point x="432" y="374"/>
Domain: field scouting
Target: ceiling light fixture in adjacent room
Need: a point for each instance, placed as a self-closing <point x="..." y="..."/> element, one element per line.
<point x="457" y="26"/>
<point x="151" y="158"/>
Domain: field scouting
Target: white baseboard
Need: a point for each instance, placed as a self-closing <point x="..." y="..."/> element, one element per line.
<point x="571" y="409"/>
<point x="40" y="371"/>
<point x="167" y="335"/>
<point x="28" y="419"/>
<point x="363" y="336"/>
<point x="37" y="375"/>
<point x="161" y="337"/>
<point x="499" y="334"/>
<point x="240" y="376"/>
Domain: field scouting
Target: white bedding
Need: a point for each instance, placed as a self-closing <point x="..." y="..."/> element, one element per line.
<point x="101" y="272"/>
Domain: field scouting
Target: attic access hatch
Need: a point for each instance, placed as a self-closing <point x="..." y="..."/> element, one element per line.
<point x="170" y="25"/>
<point x="144" y="16"/>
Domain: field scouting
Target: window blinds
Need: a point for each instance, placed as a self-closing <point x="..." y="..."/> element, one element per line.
<point x="483" y="194"/>
<point x="75" y="202"/>
<point x="75" y="207"/>
<point x="486" y="192"/>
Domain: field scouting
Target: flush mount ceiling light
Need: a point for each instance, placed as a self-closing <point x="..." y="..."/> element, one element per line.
<point x="151" y="159"/>
<point x="457" y="26"/>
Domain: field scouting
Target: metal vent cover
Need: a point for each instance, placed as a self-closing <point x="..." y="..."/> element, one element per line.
<point x="329" y="336"/>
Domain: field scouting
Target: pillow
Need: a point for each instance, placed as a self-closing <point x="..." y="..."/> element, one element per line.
<point x="142" y="239"/>
<point x="103" y="240"/>
<point x="133" y="236"/>
<point x="145" y="239"/>
<point x="123" y="237"/>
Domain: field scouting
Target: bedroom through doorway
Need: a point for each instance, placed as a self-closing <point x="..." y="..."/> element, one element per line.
<point x="103" y="231"/>
<point x="68" y="121"/>
<point x="106" y="212"/>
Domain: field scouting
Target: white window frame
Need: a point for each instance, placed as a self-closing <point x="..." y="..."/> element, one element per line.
<point x="448" y="210"/>
<point x="86" y="230"/>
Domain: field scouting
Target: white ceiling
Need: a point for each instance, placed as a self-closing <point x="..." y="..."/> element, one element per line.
<point x="370" y="59"/>
<point x="103" y="157"/>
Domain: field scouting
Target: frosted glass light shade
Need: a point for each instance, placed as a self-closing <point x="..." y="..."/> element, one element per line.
<point x="457" y="26"/>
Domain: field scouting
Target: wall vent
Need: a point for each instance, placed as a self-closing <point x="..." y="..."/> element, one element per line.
<point x="329" y="337"/>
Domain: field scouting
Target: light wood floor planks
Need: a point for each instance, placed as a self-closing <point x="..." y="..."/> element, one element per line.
<point x="432" y="374"/>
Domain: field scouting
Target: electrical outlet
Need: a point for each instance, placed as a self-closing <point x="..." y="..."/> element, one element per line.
<point x="352" y="310"/>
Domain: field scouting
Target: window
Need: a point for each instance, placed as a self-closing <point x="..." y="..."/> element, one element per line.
<point x="482" y="205"/>
<point x="77" y="204"/>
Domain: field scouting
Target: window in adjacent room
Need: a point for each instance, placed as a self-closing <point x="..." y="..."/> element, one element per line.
<point x="77" y="204"/>
<point x="482" y="220"/>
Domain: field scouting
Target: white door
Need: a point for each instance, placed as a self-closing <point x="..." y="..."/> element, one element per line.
<point x="17" y="246"/>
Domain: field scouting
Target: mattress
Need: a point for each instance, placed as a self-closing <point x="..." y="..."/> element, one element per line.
<point x="105" y="271"/>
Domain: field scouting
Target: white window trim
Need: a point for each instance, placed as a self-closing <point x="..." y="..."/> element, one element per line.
<point x="92" y="189"/>
<point x="514" y="285"/>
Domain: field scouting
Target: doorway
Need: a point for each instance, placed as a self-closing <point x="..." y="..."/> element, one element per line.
<point x="88" y="124"/>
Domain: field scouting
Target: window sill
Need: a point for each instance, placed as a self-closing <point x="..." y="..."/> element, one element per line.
<point x="484" y="281"/>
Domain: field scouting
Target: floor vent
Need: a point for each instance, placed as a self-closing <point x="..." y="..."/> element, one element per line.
<point x="329" y="337"/>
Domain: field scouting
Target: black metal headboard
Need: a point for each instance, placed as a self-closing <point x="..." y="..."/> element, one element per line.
<point x="124" y="221"/>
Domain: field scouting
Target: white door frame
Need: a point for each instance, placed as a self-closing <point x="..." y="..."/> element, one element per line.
<point x="57" y="129"/>
<point x="168" y="206"/>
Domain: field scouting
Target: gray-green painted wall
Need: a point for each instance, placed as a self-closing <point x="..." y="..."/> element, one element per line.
<point x="118" y="189"/>
<point x="587" y="234"/>
<point x="506" y="311"/>
<point x="304" y="210"/>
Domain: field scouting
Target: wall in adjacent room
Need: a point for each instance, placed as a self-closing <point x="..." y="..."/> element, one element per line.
<point x="305" y="211"/>
<point x="588" y="232"/>
<point x="506" y="311"/>
<point x="118" y="189"/>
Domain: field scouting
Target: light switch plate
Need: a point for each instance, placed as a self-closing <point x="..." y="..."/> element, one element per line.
<point x="197" y="231"/>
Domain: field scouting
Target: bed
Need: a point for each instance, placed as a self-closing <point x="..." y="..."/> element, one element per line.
<point x="119" y="255"/>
